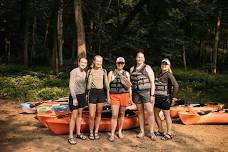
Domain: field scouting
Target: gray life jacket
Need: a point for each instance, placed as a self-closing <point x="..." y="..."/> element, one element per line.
<point x="161" y="87"/>
<point x="140" y="80"/>
<point x="115" y="85"/>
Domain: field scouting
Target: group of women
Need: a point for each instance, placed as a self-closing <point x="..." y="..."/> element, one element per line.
<point x="95" y="86"/>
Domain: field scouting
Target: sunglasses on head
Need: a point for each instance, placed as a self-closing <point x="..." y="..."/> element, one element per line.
<point x="120" y="62"/>
<point x="165" y="63"/>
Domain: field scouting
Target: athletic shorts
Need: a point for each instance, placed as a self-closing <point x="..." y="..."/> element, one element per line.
<point x="121" y="99"/>
<point x="81" y="102"/>
<point x="96" y="96"/>
<point x="163" y="103"/>
<point x="141" y="97"/>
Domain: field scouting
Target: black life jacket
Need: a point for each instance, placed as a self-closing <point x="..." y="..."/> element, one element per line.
<point x="162" y="87"/>
<point x="140" y="80"/>
<point x="115" y="85"/>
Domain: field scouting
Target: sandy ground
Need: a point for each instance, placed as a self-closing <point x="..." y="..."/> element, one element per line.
<point x="22" y="133"/>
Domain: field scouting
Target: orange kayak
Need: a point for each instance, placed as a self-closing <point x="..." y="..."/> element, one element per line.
<point x="61" y="125"/>
<point x="194" y="118"/>
<point x="42" y="117"/>
<point x="211" y="106"/>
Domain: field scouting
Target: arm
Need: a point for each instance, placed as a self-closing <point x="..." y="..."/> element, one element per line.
<point x="130" y="91"/>
<point x="174" y="83"/>
<point x="175" y="86"/>
<point x="108" y="79"/>
<point x="151" y="78"/>
<point x="72" y="86"/>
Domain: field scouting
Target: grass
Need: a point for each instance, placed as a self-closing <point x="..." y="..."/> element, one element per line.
<point x="18" y="82"/>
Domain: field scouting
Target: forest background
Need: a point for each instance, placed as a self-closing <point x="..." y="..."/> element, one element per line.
<point x="41" y="39"/>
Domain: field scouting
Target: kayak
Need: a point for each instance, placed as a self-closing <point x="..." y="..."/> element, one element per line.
<point x="60" y="126"/>
<point x="28" y="107"/>
<point x="51" y="106"/>
<point x="200" y="118"/>
<point x="31" y="107"/>
<point x="210" y="106"/>
<point x="42" y="117"/>
<point x="52" y="112"/>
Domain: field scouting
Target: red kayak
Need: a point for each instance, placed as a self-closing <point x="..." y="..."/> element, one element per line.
<point x="199" y="118"/>
<point x="211" y="106"/>
<point x="61" y="125"/>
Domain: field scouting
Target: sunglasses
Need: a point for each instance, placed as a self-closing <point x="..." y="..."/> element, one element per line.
<point x="120" y="62"/>
<point x="165" y="63"/>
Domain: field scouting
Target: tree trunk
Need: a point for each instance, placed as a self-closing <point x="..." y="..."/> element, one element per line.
<point x="81" y="46"/>
<point x="60" y="32"/>
<point x="184" y="57"/>
<point x="33" y="39"/>
<point x="46" y="33"/>
<point x="55" y="58"/>
<point x="216" y="41"/>
<point x="25" y="25"/>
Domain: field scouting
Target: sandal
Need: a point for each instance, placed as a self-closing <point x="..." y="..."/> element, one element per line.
<point x="167" y="137"/>
<point x="120" y="135"/>
<point x="81" y="136"/>
<point x="153" y="136"/>
<point x="111" y="138"/>
<point x="158" y="133"/>
<point x="91" y="136"/>
<point x="72" y="141"/>
<point x="96" y="136"/>
<point x="140" y="135"/>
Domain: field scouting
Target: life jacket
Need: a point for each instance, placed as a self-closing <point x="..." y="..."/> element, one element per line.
<point x="140" y="80"/>
<point x="162" y="87"/>
<point x="115" y="85"/>
<point x="89" y="80"/>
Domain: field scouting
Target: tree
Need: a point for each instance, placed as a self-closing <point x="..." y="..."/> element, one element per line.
<point x="81" y="44"/>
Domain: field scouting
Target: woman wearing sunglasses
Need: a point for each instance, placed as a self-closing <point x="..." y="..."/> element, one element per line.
<point x="120" y="97"/>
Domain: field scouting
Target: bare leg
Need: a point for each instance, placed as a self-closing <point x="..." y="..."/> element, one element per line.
<point x="92" y="110"/>
<point x="72" y="122"/>
<point x="79" y="118"/>
<point x="158" y="119"/>
<point x="168" y="120"/>
<point x="115" y="112"/>
<point x="150" y="112"/>
<point x="140" y="108"/>
<point x="121" y="120"/>
<point x="98" y="116"/>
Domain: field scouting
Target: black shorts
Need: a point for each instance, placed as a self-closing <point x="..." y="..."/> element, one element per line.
<point x="163" y="103"/>
<point x="96" y="96"/>
<point x="81" y="102"/>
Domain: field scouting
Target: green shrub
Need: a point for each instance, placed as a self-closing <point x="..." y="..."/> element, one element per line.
<point x="52" y="93"/>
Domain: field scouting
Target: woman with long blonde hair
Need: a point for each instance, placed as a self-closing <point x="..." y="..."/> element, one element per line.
<point x="166" y="88"/>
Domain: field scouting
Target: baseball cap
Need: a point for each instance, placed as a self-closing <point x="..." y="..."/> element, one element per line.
<point x="120" y="59"/>
<point x="166" y="61"/>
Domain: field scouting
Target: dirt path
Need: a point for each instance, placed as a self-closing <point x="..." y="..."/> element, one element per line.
<point x="23" y="133"/>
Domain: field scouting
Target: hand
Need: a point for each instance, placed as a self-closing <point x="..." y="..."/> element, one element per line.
<point x="130" y="102"/>
<point x="86" y="97"/>
<point x="174" y="99"/>
<point x="108" y="100"/>
<point x="75" y="102"/>
<point x="152" y="98"/>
